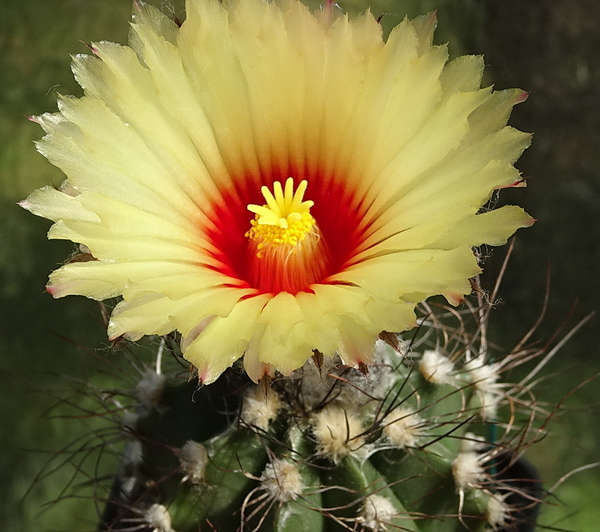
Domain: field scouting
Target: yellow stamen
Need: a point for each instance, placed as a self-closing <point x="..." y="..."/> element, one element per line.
<point x="285" y="219"/>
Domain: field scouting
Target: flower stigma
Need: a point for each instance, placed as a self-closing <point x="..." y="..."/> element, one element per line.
<point x="286" y="251"/>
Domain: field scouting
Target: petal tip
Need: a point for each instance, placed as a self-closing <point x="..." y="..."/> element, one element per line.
<point x="521" y="97"/>
<point x="52" y="290"/>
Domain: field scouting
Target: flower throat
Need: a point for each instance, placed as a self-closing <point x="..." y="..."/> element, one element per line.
<point x="286" y="252"/>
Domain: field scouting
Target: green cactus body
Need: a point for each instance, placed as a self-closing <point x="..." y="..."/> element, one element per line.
<point x="326" y="449"/>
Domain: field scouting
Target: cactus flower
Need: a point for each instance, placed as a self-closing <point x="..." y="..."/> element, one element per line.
<point x="273" y="183"/>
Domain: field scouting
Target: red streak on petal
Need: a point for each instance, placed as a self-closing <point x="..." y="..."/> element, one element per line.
<point x="522" y="97"/>
<point x="202" y="374"/>
<point x="514" y="184"/>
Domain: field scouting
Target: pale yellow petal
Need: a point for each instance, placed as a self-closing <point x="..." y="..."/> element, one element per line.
<point x="160" y="24"/>
<point x="176" y="94"/>
<point x="217" y="80"/>
<point x="55" y="205"/>
<point x="224" y="340"/>
<point x="102" y="153"/>
<point x="187" y="279"/>
<point x="285" y="357"/>
<point x="118" y="217"/>
<point x="280" y="315"/>
<point x="180" y="131"/>
<point x="406" y="92"/>
<point x="140" y="317"/>
<point x="125" y="248"/>
<point x="442" y="133"/>
<point x="316" y="325"/>
<point x="356" y="344"/>
<point x="104" y="280"/>
<point x="153" y="313"/>
<point x="493" y="114"/>
<point x="276" y="98"/>
<point x="337" y="300"/>
<point x="425" y="26"/>
<point x="492" y="228"/>
<point x="462" y="74"/>
<point x="452" y="190"/>
<point x="410" y="273"/>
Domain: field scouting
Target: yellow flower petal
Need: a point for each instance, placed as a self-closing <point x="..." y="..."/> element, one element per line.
<point x="224" y="340"/>
<point x="492" y="228"/>
<point x="271" y="182"/>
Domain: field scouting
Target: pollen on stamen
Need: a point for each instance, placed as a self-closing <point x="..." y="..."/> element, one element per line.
<point x="286" y="252"/>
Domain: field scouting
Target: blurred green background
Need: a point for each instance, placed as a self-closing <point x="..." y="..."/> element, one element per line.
<point x="549" y="48"/>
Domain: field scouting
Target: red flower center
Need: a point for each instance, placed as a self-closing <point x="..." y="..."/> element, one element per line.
<point x="285" y="250"/>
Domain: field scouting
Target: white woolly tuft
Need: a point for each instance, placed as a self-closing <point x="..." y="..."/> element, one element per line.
<point x="489" y="405"/>
<point x="376" y="513"/>
<point x="468" y="470"/>
<point x="260" y="407"/>
<point x="313" y="384"/>
<point x="472" y="442"/>
<point x="193" y="459"/>
<point x="384" y="369"/>
<point x="337" y="432"/>
<point x="149" y="389"/>
<point x="158" y="518"/>
<point x="282" y="480"/>
<point x="436" y="368"/>
<point x="388" y="355"/>
<point x="484" y="376"/>
<point x="496" y="512"/>
<point x="403" y="427"/>
<point x="485" y="379"/>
